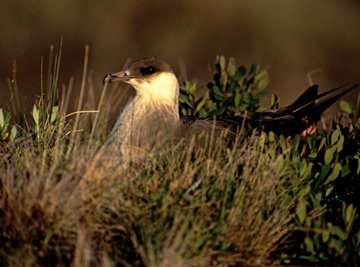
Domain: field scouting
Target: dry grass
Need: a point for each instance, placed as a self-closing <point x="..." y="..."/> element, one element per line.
<point x="194" y="207"/>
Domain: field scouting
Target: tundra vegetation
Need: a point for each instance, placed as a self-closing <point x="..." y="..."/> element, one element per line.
<point x="266" y="200"/>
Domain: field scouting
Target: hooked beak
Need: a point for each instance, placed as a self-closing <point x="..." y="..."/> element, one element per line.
<point x="121" y="76"/>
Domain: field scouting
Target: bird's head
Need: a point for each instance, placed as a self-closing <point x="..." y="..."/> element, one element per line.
<point x="152" y="78"/>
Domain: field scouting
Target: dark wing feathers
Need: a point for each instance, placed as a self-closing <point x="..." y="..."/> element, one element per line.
<point x="325" y="101"/>
<point x="290" y="120"/>
<point x="309" y="94"/>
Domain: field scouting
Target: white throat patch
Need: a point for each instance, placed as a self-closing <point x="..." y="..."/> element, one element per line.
<point x="162" y="87"/>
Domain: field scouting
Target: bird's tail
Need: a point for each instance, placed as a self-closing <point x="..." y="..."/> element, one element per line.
<point x="314" y="109"/>
<point x="301" y="114"/>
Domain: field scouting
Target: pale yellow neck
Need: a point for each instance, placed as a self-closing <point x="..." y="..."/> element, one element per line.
<point x="142" y="118"/>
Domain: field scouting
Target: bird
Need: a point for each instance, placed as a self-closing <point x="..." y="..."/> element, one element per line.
<point x="151" y="118"/>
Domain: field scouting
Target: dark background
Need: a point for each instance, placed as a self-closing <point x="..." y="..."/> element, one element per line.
<point x="292" y="37"/>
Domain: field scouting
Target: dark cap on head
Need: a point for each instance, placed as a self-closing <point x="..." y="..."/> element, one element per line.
<point x="148" y="66"/>
<point x="142" y="68"/>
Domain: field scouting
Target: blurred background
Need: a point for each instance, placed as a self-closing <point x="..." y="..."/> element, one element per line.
<point x="292" y="38"/>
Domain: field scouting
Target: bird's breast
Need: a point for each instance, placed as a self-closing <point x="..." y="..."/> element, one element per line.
<point x="145" y="125"/>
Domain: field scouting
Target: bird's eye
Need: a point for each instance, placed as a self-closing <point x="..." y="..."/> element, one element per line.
<point x="147" y="70"/>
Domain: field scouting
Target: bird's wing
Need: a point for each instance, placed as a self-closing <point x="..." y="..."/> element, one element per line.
<point x="220" y="128"/>
<point x="290" y="120"/>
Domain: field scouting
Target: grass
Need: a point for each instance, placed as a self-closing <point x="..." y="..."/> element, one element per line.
<point x="66" y="200"/>
<point x="162" y="213"/>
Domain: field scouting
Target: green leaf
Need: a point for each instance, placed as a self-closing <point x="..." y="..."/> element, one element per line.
<point x="232" y="87"/>
<point x="345" y="170"/>
<point x="311" y="259"/>
<point x="185" y="100"/>
<point x="305" y="190"/>
<point x="222" y="62"/>
<point x="283" y="143"/>
<point x="224" y="79"/>
<point x="346" y="107"/>
<point x="309" y="244"/>
<point x="311" y="143"/>
<point x="200" y="105"/>
<point x="262" y="140"/>
<point x="13" y="133"/>
<point x="335" y="173"/>
<point x="240" y="72"/>
<point x="322" y="144"/>
<point x="35" y="115"/>
<point x="305" y="169"/>
<point x="54" y="114"/>
<point x="190" y="87"/>
<point x="358" y="164"/>
<point x="335" y="136"/>
<point x="272" y="137"/>
<point x="217" y="93"/>
<point x="280" y="167"/>
<point x="301" y="211"/>
<point x="295" y="144"/>
<point x="349" y="213"/>
<point x="337" y="244"/>
<point x="2" y="120"/>
<point x="5" y="136"/>
<point x="231" y="68"/>
<point x="260" y="94"/>
<point x="328" y="191"/>
<point x="317" y="200"/>
<point x="323" y="173"/>
<point x="329" y="155"/>
<point x="325" y="235"/>
<point x="262" y="75"/>
<point x="246" y="98"/>
<point x="217" y="112"/>
<point x="336" y="230"/>
<point x="349" y="217"/>
<point x="340" y="144"/>
<point x="237" y="99"/>
<point x="263" y="83"/>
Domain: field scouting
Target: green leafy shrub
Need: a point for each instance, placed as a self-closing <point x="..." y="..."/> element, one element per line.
<point x="5" y="133"/>
<point x="233" y="89"/>
<point x="327" y="211"/>
<point x="329" y="215"/>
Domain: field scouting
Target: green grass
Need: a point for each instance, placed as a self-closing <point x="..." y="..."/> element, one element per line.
<point x="268" y="200"/>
